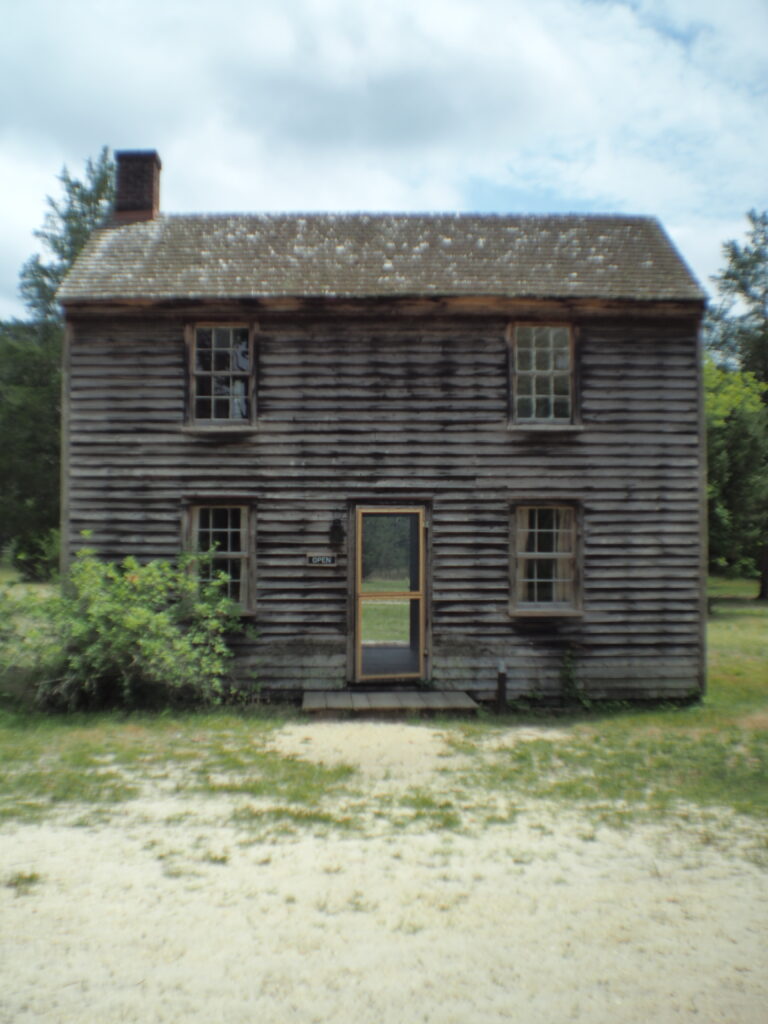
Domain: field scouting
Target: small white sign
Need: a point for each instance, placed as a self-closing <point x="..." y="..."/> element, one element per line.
<point x="321" y="560"/>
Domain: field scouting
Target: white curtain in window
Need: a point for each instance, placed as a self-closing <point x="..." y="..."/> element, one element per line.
<point x="565" y="562"/>
<point x="524" y="516"/>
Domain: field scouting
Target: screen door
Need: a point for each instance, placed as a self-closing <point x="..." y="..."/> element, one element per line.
<point x="389" y="594"/>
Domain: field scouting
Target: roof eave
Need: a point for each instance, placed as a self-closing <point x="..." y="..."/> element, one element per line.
<point x="562" y="306"/>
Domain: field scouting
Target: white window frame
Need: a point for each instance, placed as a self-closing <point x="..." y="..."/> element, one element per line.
<point x="545" y="559"/>
<point x="219" y="420"/>
<point x="542" y="362"/>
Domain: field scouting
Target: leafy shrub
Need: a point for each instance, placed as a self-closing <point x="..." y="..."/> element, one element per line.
<point x="36" y="555"/>
<point x="122" y="635"/>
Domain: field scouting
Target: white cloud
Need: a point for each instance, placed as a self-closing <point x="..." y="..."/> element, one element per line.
<point x="651" y="106"/>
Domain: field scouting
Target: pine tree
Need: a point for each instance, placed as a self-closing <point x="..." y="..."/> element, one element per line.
<point x="30" y="377"/>
<point x="67" y="227"/>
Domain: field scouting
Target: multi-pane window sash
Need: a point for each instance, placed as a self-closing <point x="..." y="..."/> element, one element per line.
<point x="221" y="375"/>
<point x="221" y="531"/>
<point x="545" y="546"/>
<point x="543" y="365"/>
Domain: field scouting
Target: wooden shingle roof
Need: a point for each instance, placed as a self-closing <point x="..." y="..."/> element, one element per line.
<point x="380" y="255"/>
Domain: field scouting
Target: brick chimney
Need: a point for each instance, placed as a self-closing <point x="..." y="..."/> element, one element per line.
<point x="137" y="192"/>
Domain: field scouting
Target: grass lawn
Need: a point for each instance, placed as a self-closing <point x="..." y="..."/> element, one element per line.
<point x="616" y="765"/>
<point x="7" y="574"/>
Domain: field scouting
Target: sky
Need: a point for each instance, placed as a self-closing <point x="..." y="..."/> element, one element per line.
<point x="498" y="106"/>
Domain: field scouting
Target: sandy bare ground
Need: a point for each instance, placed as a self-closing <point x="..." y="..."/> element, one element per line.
<point x="168" y="912"/>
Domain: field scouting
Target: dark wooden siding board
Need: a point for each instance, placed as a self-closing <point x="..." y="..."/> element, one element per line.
<point x="348" y="410"/>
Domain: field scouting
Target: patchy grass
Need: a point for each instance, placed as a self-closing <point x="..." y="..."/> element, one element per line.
<point x="22" y="882"/>
<point x="253" y="771"/>
<point x="435" y="811"/>
<point x="614" y="765"/>
<point x="47" y="761"/>
<point x="288" y="820"/>
<point x="731" y="587"/>
<point x="652" y="771"/>
<point x="651" y="762"/>
<point x="50" y="761"/>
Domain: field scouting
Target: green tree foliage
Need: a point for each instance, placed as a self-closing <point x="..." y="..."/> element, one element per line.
<point x="67" y="227"/>
<point x="29" y="454"/>
<point x="30" y="381"/>
<point x="121" y="635"/>
<point x="737" y="451"/>
<point x="738" y="328"/>
<point x="737" y="332"/>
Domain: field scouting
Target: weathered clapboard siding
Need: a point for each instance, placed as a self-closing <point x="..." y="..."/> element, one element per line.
<point x="415" y="411"/>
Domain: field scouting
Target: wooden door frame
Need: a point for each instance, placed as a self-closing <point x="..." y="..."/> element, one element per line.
<point x="354" y="649"/>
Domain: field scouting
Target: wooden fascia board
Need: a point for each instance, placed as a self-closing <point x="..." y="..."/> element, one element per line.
<point x="468" y="306"/>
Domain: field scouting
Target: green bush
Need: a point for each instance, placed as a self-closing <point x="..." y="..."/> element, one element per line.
<point x="36" y="555"/>
<point x="122" y="635"/>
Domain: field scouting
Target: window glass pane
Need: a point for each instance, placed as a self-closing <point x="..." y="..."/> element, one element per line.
<point x="524" y="359"/>
<point x="562" y="360"/>
<point x="202" y="409"/>
<point x="546" y="518"/>
<point x="559" y="337"/>
<point x="543" y="359"/>
<point x="545" y="541"/>
<point x="542" y="408"/>
<point x="222" y="337"/>
<point x="562" y="409"/>
<point x="203" y="337"/>
<point x="525" y="409"/>
<point x="219" y="540"/>
<point x="219" y="518"/>
<point x="231" y="567"/>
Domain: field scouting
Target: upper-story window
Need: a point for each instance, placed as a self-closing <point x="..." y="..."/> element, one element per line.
<point x="542" y="364"/>
<point x="222" y="389"/>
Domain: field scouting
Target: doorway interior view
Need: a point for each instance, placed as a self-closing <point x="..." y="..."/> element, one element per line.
<point x="390" y="611"/>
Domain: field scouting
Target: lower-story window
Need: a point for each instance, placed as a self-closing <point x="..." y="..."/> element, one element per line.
<point x="544" y="559"/>
<point x="223" y="532"/>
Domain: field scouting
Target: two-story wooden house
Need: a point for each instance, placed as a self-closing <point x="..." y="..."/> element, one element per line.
<point x="421" y="446"/>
